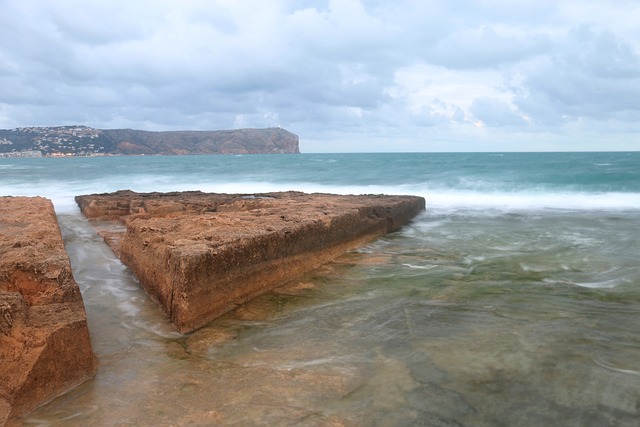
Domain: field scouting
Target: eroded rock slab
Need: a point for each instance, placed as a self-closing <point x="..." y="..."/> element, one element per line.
<point x="45" y="348"/>
<point x="200" y="255"/>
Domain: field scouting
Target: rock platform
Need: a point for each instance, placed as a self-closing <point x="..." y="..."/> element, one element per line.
<point x="45" y="348"/>
<point x="199" y="255"/>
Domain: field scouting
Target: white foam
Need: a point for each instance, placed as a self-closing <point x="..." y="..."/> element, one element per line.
<point x="450" y="199"/>
<point x="438" y="198"/>
<point x="420" y="267"/>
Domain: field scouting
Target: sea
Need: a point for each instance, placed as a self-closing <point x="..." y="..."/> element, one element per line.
<point x="513" y="300"/>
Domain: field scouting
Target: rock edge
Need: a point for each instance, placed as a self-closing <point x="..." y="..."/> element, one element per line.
<point x="45" y="349"/>
<point x="199" y="255"/>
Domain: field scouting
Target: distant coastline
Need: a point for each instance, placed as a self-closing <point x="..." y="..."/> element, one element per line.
<point x="83" y="141"/>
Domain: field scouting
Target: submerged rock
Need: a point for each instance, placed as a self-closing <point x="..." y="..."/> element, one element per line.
<point x="200" y="255"/>
<point x="45" y="348"/>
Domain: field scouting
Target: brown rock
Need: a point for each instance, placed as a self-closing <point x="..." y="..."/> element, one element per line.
<point x="200" y="255"/>
<point x="44" y="340"/>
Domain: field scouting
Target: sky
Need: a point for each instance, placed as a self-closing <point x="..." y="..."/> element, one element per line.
<point x="344" y="75"/>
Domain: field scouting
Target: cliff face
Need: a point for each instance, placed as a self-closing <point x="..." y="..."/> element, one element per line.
<point x="82" y="140"/>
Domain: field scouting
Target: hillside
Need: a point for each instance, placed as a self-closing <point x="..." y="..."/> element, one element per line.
<point x="86" y="141"/>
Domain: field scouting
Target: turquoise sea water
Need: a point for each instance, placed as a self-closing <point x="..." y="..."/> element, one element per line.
<point x="514" y="300"/>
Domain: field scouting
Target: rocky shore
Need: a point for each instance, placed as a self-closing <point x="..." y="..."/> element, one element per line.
<point x="199" y="255"/>
<point x="45" y="349"/>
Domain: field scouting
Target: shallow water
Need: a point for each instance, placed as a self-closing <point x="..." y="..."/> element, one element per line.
<point x="462" y="318"/>
<point x="513" y="301"/>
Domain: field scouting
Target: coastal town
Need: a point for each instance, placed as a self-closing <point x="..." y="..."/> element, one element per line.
<point x="58" y="141"/>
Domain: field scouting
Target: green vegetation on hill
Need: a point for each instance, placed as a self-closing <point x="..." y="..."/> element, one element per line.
<point x="86" y="141"/>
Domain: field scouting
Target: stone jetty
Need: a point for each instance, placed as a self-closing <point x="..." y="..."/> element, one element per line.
<point x="199" y="255"/>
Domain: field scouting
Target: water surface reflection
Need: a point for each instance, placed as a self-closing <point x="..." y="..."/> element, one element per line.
<point x="443" y="324"/>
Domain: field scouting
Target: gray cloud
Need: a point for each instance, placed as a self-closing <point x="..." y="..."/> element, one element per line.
<point x="590" y="75"/>
<point x="338" y="72"/>
<point x="486" y="48"/>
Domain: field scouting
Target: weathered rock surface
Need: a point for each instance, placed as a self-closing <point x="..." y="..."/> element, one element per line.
<point x="45" y="348"/>
<point x="200" y="255"/>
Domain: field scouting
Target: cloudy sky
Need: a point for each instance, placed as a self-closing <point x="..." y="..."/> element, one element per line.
<point x="345" y="75"/>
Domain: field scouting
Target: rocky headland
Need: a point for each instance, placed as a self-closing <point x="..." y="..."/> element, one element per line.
<point x="86" y="141"/>
<point x="200" y="255"/>
<point x="45" y="348"/>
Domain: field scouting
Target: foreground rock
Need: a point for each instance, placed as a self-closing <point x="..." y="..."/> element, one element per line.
<point x="44" y="340"/>
<point x="200" y="255"/>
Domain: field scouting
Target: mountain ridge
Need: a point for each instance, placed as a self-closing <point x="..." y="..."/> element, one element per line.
<point x="79" y="140"/>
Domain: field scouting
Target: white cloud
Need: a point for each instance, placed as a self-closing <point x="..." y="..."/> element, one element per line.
<point x="443" y="91"/>
<point x="496" y="113"/>
<point x="346" y="72"/>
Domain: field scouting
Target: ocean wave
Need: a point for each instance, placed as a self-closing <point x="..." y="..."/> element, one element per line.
<point x="62" y="193"/>
<point x="526" y="201"/>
